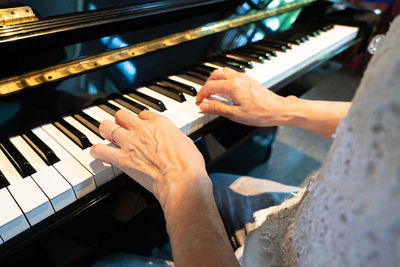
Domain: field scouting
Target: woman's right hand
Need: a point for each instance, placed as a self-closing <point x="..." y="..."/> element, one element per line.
<point x="253" y="104"/>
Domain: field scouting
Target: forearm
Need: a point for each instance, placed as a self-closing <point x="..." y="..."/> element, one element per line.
<point x="197" y="234"/>
<point x="319" y="117"/>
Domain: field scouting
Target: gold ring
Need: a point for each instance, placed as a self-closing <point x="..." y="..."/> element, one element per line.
<point x="112" y="132"/>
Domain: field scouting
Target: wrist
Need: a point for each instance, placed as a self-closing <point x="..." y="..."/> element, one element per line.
<point x="292" y="111"/>
<point x="182" y="188"/>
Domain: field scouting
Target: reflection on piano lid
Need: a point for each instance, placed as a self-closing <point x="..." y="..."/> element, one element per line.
<point x="48" y="129"/>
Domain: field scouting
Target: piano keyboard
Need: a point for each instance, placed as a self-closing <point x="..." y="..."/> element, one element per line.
<point x="45" y="169"/>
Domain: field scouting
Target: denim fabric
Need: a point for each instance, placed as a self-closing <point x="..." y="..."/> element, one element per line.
<point x="129" y="260"/>
<point x="237" y="198"/>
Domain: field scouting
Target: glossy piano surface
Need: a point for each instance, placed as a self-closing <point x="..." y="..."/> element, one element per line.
<point x="36" y="105"/>
<point x="64" y="114"/>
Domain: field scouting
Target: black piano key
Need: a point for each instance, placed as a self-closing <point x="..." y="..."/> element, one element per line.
<point x="292" y="36"/>
<point x="301" y="36"/>
<point x="106" y="106"/>
<point x="147" y="100"/>
<point x="326" y="28"/>
<point x="266" y="53"/>
<point x="209" y="68"/>
<point x="200" y="71"/>
<point x="191" y="78"/>
<point x="195" y="74"/>
<point x="268" y="47"/>
<point x="74" y="134"/>
<point x="45" y="152"/>
<point x="245" y="63"/>
<point x="288" y="39"/>
<point x="270" y="40"/>
<point x="229" y="64"/>
<point x="246" y="56"/>
<point x="3" y="181"/>
<point x="88" y="121"/>
<point x="312" y="33"/>
<point x="20" y="163"/>
<point x="184" y="88"/>
<point x="128" y="103"/>
<point x="168" y="91"/>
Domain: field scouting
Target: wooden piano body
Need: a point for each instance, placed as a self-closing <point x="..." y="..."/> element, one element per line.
<point x="74" y="63"/>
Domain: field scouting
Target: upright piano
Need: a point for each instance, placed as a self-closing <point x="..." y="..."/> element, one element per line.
<point x="69" y="65"/>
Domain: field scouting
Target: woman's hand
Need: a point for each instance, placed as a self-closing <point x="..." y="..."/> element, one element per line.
<point x="153" y="152"/>
<point x="253" y="104"/>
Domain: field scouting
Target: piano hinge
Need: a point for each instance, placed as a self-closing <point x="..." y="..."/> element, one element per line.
<point x="16" y="15"/>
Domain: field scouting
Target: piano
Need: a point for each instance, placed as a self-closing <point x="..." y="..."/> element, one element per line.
<point x="67" y="66"/>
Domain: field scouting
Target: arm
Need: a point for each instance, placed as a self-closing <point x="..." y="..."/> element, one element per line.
<point x="254" y="105"/>
<point x="166" y="162"/>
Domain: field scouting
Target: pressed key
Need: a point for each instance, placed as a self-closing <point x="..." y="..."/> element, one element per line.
<point x="184" y="88"/>
<point x="45" y="152"/>
<point x="167" y="91"/>
<point x="245" y="63"/>
<point x="147" y="100"/>
<point x="3" y="181"/>
<point x="107" y="106"/>
<point x="129" y="104"/>
<point x="88" y="121"/>
<point x="20" y="163"/>
<point x="74" y="134"/>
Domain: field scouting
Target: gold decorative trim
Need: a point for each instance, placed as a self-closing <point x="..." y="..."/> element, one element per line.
<point x="15" y="15"/>
<point x="58" y="72"/>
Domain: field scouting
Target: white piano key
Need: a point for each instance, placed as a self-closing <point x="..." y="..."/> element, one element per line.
<point x="102" y="172"/>
<point x="1" y="241"/>
<point x="78" y="177"/>
<point x="192" y="99"/>
<point x="94" y="115"/>
<point x="47" y="178"/>
<point x="12" y="220"/>
<point x="300" y="56"/>
<point x="99" y="118"/>
<point x="182" y="80"/>
<point x="173" y="117"/>
<point x="33" y="202"/>
<point x="93" y="138"/>
<point x="104" y="114"/>
<point x="191" y="113"/>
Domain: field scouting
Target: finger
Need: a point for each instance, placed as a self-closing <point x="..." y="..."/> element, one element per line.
<point x="106" y="153"/>
<point x="217" y="107"/>
<point x="214" y="87"/>
<point x="114" y="132"/>
<point x="148" y="115"/>
<point x="222" y="74"/>
<point x="126" y="119"/>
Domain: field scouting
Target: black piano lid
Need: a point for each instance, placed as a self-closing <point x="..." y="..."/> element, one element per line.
<point x="38" y="105"/>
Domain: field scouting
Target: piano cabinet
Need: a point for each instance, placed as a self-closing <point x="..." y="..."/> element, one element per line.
<point x="71" y="65"/>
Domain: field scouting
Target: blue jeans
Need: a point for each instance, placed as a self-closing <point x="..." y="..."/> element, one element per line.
<point x="237" y="198"/>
